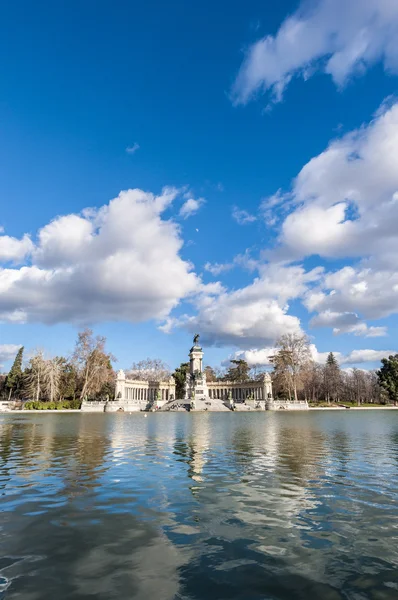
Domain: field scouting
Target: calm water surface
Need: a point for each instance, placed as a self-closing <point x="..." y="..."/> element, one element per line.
<point x="199" y="506"/>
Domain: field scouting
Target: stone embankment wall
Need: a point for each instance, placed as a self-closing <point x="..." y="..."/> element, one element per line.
<point x="112" y="406"/>
<point x="287" y="405"/>
<point x="6" y="406"/>
<point x="93" y="406"/>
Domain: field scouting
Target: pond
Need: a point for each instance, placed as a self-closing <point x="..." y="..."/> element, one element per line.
<point x="248" y="506"/>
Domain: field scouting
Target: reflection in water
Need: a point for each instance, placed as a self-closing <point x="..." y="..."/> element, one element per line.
<point x="192" y="506"/>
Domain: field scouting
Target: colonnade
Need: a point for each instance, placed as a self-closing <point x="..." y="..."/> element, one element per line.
<point x="135" y="391"/>
<point x="240" y="391"/>
<point x="239" y="394"/>
<point x="146" y="394"/>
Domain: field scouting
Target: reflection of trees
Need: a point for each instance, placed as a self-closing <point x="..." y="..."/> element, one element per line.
<point x="300" y="449"/>
<point x="87" y="449"/>
<point x="67" y="447"/>
<point x="24" y="440"/>
<point x="242" y="445"/>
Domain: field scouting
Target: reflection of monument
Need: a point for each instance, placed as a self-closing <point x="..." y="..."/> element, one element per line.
<point x="196" y="386"/>
<point x="200" y="444"/>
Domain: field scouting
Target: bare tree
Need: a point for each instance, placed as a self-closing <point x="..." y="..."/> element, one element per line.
<point x="93" y="364"/>
<point x="257" y="371"/>
<point x="150" y="369"/>
<point x="210" y="374"/>
<point x="281" y="376"/>
<point x="312" y="381"/>
<point x="35" y="376"/>
<point x="293" y="355"/>
<point x="52" y="379"/>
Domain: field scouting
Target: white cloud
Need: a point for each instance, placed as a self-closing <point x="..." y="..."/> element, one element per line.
<point x="8" y="352"/>
<point x="347" y="196"/>
<point x="362" y="329"/>
<point x="345" y="206"/>
<point x="120" y="262"/>
<point x="256" y="315"/>
<point x="244" y="261"/>
<point x="370" y="292"/>
<point x="365" y="356"/>
<point x="190" y="207"/>
<point x="242" y="217"/>
<point x="63" y="240"/>
<point x="346" y="322"/>
<point x="352" y="358"/>
<point x="257" y="357"/>
<point x="235" y="320"/>
<point x="132" y="149"/>
<point x="262" y="356"/>
<point x="13" y="249"/>
<point x="272" y="207"/>
<point x="218" y="268"/>
<point x="341" y="38"/>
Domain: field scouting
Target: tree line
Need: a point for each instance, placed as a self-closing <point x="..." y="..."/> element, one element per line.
<point x="87" y="373"/>
<point x="296" y="376"/>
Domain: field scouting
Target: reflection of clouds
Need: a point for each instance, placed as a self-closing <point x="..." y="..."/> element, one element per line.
<point x="281" y="462"/>
<point x="68" y="555"/>
<point x="149" y="568"/>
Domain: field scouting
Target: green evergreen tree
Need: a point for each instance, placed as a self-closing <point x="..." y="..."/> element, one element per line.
<point x="332" y="378"/>
<point x="68" y="379"/>
<point x="239" y="372"/>
<point x="14" y="377"/>
<point x="388" y="377"/>
<point x="331" y="361"/>
<point x="180" y="375"/>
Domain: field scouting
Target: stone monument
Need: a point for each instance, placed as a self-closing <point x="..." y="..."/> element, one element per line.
<point x="196" y="386"/>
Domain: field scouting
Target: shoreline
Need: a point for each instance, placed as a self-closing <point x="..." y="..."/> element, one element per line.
<point x="353" y="408"/>
<point x="77" y="410"/>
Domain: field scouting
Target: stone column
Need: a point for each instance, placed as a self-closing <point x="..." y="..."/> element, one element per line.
<point x="120" y="385"/>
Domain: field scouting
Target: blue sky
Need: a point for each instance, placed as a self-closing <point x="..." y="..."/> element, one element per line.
<point x="226" y="105"/>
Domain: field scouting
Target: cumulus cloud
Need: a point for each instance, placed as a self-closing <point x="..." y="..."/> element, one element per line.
<point x="346" y="323"/>
<point x="257" y="357"/>
<point x="14" y="250"/>
<point x="344" y="205"/>
<point x="256" y="315"/>
<point x="120" y="262"/>
<point x="372" y="293"/>
<point x="242" y="217"/>
<point x="8" y="352"/>
<point x="341" y="38"/>
<point x="347" y="197"/>
<point x="190" y="207"/>
<point x="365" y="356"/>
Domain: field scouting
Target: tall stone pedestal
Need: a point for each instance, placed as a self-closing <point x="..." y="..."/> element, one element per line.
<point x="196" y="386"/>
